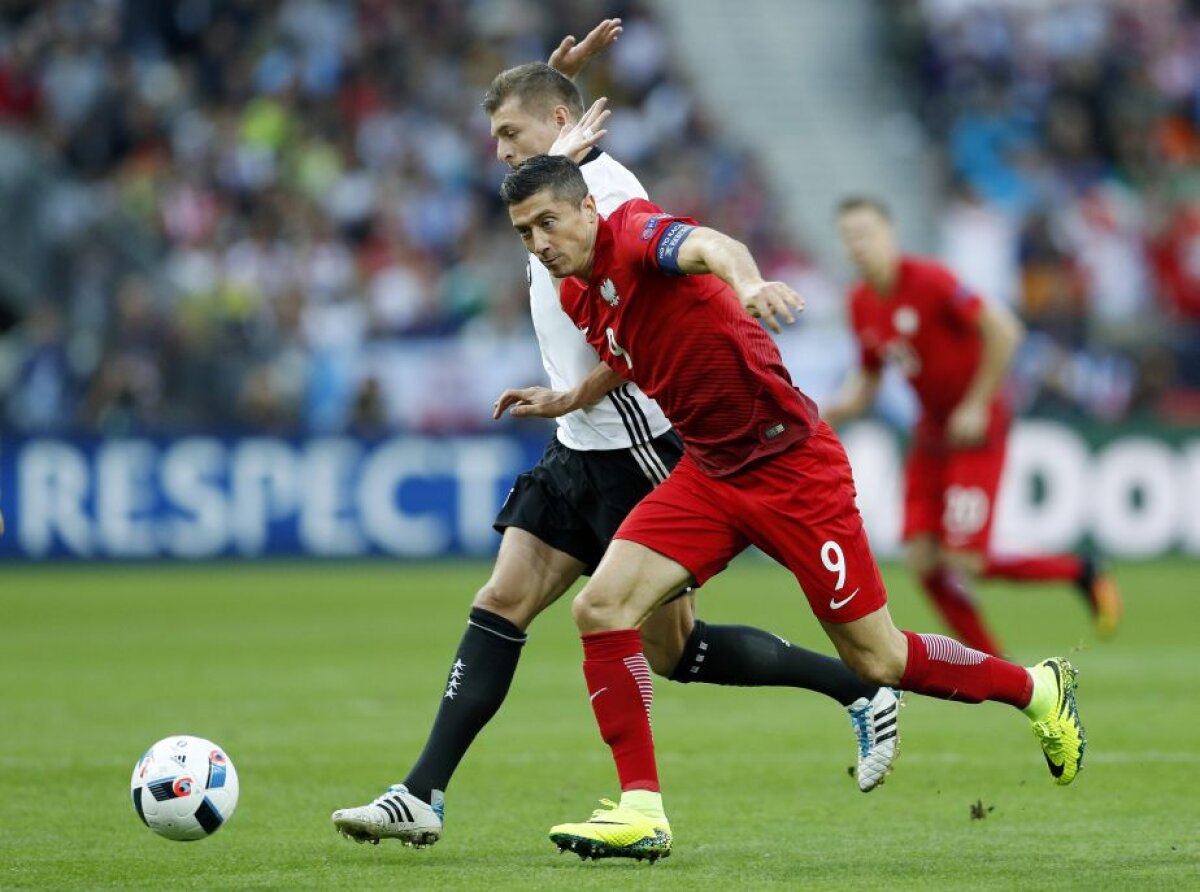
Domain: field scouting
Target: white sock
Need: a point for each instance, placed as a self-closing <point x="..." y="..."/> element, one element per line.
<point x="647" y="802"/>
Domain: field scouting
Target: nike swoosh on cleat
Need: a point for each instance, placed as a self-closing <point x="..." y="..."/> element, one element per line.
<point x="836" y="605"/>
<point x="1055" y="770"/>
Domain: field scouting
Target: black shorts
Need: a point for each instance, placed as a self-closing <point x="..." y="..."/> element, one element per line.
<point x="574" y="500"/>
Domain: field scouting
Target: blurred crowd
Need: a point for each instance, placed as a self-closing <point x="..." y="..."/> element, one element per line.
<point x="1070" y="134"/>
<point x="282" y="215"/>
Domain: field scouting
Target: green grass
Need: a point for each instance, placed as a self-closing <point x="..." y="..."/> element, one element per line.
<point x="321" y="680"/>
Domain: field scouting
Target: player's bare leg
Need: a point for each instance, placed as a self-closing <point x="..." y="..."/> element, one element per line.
<point x="666" y="631"/>
<point x="528" y="576"/>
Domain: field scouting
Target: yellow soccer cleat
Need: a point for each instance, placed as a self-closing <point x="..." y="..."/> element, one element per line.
<point x="615" y="832"/>
<point x="1059" y="732"/>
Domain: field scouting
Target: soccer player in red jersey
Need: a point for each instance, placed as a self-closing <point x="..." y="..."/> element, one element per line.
<point x="667" y="304"/>
<point x="955" y="349"/>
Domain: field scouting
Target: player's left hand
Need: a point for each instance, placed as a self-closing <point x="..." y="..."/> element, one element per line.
<point x="967" y="425"/>
<point x="532" y="402"/>
<point x="576" y="140"/>
<point x="766" y="300"/>
<point x="571" y="57"/>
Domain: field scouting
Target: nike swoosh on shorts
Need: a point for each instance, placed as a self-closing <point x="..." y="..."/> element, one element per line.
<point x="836" y="605"/>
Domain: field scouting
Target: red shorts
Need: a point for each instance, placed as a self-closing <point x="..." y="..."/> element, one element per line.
<point x="797" y="506"/>
<point x="950" y="492"/>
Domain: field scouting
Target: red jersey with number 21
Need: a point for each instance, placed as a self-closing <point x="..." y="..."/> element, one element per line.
<point x="687" y="342"/>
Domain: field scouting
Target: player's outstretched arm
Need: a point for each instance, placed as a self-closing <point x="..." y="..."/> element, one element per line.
<point x="570" y="57"/>
<point x="705" y="250"/>
<point x="542" y="402"/>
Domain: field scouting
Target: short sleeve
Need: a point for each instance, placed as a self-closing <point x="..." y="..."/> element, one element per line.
<point x="653" y="235"/>
<point x="962" y="304"/>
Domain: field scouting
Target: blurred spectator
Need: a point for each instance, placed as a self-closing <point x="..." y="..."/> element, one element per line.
<point x="251" y="210"/>
<point x="1070" y="130"/>
<point x="282" y="215"/>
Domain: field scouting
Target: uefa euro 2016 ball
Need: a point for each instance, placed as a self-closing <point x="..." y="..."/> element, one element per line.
<point x="184" y="788"/>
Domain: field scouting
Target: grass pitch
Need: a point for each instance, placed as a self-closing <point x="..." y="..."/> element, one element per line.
<point x="321" y="680"/>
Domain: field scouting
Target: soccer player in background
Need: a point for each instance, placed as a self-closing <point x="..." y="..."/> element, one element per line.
<point x="955" y="349"/>
<point x="667" y="303"/>
<point x="612" y="446"/>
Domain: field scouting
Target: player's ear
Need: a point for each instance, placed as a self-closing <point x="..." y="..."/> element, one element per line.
<point x="589" y="207"/>
<point x="561" y="115"/>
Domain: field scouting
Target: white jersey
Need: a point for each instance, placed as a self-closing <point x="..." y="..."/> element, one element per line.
<point x="625" y="417"/>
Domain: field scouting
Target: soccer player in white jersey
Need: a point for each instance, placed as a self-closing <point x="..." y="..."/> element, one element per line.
<point x="611" y="448"/>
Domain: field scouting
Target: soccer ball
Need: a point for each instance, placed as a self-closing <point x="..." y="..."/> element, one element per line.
<point x="184" y="788"/>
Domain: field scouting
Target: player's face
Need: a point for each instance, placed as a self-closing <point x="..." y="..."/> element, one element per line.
<point x="870" y="241"/>
<point x="521" y="134"/>
<point x="561" y="234"/>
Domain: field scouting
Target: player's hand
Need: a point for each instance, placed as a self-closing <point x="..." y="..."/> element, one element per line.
<point x="766" y="300"/>
<point x="532" y="402"/>
<point x="576" y="140"/>
<point x="967" y="425"/>
<point x="571" y="57"/>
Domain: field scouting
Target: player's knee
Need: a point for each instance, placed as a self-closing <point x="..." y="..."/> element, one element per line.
<point x="602" y="607"/>
<point x="593" y="612"/>
<point x="972" y="563"/>
<point x="878" y="670"/>
<point x="923" y="558"/>
<point x="518" y="607"/>
<point x="878" y="667"/>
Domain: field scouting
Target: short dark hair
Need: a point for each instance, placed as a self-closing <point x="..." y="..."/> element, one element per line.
<point x="557" y="173"/>
<point x="536" y="86"/>
<point x="864" y="203"/>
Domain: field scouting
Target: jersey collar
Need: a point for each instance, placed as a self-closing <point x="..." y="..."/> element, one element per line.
<point x="601" y="255"/>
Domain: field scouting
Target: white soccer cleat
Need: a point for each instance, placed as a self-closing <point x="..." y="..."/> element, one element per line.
<point x="876" y="723"/>
<point x="397" y="814"/>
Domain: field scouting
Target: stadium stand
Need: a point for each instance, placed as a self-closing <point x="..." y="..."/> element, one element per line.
<point x="280" y="216"/>
<point x="1070" y="135"/>
<point x="251" y="214"/>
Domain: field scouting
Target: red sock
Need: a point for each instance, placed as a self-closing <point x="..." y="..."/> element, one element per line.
<point x="1044" y="568"/>
<point x="957" y="608"/>
<point x="941" y="667"/>
<point x="618" y="681"/>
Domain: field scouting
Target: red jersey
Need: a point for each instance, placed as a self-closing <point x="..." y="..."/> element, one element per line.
<point x="928" y="325"/>
<point x="687" y="342"/>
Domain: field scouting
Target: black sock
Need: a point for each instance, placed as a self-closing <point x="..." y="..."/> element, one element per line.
<point x="479" y="679"/>
<point x="748" y="657"/>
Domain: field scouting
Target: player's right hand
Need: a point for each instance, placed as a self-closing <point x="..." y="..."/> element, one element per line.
<point x="570" y="57"/>
<point x="576" y="140"/>
<point x="766" y="300"/>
